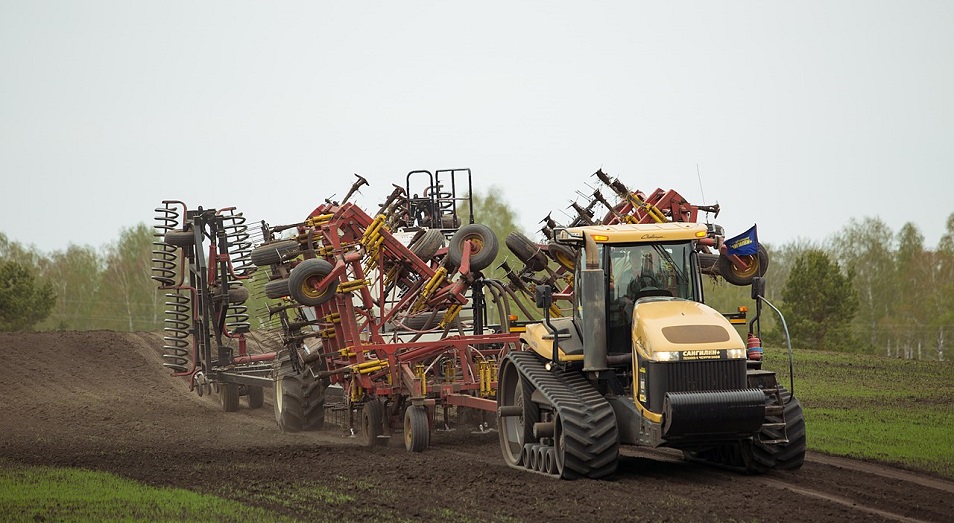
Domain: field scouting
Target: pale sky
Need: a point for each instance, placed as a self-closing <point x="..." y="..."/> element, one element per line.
<point x="799" y="115"/>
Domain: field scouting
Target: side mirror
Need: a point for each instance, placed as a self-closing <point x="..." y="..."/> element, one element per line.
<point x="758" y="287"/>
<point x="544" y="296"/>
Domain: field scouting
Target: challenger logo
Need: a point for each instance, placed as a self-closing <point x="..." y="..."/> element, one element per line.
<point x="741" y="243"/>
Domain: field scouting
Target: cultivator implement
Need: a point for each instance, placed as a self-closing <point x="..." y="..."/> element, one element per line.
<point x="385" y="307"/>
<point x="384" y="320"/>
<point x="201" y="259"/>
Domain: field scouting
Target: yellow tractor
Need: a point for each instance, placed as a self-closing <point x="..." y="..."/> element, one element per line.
<point x="642" y="361"/>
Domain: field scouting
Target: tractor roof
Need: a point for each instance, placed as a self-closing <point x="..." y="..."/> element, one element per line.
<point x="629" y="233"/>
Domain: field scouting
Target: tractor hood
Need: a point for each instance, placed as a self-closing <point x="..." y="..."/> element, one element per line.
<point x="674" y="329"/>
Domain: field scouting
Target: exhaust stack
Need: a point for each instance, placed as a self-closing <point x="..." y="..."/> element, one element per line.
<point x="593" y="317"/>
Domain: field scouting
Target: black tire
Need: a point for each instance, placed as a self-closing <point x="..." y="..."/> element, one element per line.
<point x="758" y="265"/>
<point x="515" y="431"/>
<point x="423" y="321"/>
<point x="756" y="457"/>
<point x="274" y="252"/>
<point x="179" y="238"/>
<point x="304" y="277"/>
<point x="314" y="407"/>
<point x="428" y="244"/>
<point x="526" y="251"/>
<point x="786" y="456"/>
<point x="417" y="434"/>
<point x="230" y="396"/>
<point x="238" y="295"/>
<point x="299" y="399"/>
<point x="256" y="397"/>
<point x="563" y="255"/>
<point x="708" y="263"/>
<point x="371" y="417"/>
<point x="450" y="221"/>
<point x="484" y="246"/>
<point x="276" y="289"/>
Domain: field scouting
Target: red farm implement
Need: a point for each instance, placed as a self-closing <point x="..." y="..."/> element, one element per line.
<point x="382" y="308"/>
<point x="386" y="321"/>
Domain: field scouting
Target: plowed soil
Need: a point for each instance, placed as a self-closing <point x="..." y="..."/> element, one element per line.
<point x="101" y="400"/>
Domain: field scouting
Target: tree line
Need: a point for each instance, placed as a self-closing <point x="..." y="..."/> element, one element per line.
<point x="84" y="288"/>
<point x="865" y="289"/>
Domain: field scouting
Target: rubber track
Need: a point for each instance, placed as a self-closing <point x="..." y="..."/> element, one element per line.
<point x="589" y="423"/>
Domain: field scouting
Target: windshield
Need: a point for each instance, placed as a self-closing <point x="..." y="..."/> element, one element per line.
<point x="650" y="269"/>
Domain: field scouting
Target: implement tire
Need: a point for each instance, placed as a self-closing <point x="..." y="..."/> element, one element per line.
<point x="428" y="244"/>
<point x="371" y="420"/>
<point x="304" y="277"/>
<point x="563" y="255"/>
<point x="417" y="434"/>
<point x="274" y="252"/>
<point x="483" y="243"/>
<point x="758" y="265"/>
<point x="256" y="397"/>
<point x="229" y="393"/>
<point x="526" y="251"/>
<point x="276" y="289"/>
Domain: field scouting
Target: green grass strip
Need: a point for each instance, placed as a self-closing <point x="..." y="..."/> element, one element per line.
<point x="873" y="407"/>
<point x="52" y="494"/>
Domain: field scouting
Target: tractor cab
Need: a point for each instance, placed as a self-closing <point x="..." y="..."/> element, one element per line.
<point x="640" y="272"/>
<point x="639" y="264"/>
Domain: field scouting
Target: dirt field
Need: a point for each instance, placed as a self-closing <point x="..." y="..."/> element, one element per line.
<point x="101" y="400"/>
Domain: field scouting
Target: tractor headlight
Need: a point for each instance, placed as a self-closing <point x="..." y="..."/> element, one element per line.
<point x="666" y="356"/>
<point x="733" y="354"/>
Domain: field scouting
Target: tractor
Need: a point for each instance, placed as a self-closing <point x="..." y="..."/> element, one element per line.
<point x="642" y="361"/>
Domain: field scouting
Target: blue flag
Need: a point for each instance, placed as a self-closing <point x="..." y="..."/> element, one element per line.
<point x="745" y="244"/>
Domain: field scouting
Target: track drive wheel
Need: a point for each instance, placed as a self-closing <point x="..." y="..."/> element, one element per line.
<point x="417" y="434"/>
<point x="229" y="393"/>
<point x="515" y="431"/>
<point x="756" y="456"/>
<point x="560" y="451"/>
<point x="785" y="456"/>
<point x="371" y="415"/>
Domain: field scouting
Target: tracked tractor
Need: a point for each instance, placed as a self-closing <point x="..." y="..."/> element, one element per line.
<point x="642" y="361"/>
